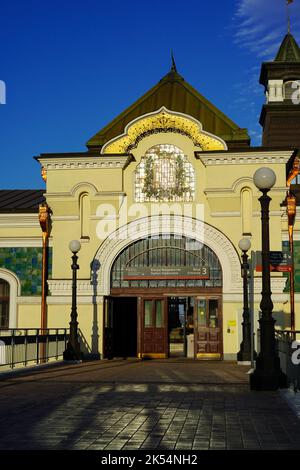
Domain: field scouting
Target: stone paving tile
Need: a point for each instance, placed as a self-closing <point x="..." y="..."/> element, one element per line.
<point x="77" y="408"/>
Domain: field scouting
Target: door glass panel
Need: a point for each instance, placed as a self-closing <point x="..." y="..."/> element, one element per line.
<point x="201" y="317"/>
<point x="159" y="323"/>
<point x="176" y="326"/>
<point x="213" y="313"/>
<point x="148" y="313"/>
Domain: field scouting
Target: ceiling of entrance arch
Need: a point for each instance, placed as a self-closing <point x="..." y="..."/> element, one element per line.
<point x="163" y="121"/>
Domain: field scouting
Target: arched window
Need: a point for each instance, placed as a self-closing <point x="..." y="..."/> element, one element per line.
<point x="164" y="174"/>
<point x="4" y="303"/>
<point x="172" y="252"/>
<point x="84" y="203"/>
<point x="292" y="90"/>
<point x="246" y="210"/>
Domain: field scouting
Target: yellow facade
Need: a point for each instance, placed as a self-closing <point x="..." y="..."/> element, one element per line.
<point x="106" y="182"/>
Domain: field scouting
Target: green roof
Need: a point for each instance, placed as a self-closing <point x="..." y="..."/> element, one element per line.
<point x="289" y="50"/>
<point x="173" y="92"/>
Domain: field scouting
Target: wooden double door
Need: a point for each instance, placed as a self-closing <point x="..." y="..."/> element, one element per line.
<point x="203" y="321"/>
<point x="154" y="328"/>
<point x="142" y="326"/>
<point x="208" y="328"/>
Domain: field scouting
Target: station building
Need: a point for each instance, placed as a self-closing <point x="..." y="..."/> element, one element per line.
<point x="159" y="202"/>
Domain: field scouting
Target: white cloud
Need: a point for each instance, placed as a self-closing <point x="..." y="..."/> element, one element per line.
<point x="260" y="25"/>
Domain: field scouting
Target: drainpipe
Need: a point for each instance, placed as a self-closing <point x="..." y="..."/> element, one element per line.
<point x="44" y="219"/>
<point x="291" y="213"/>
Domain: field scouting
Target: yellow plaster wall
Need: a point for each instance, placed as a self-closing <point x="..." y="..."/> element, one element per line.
<point x="28" y="315"/>
<point x="89" y="319"/>
<point x="107" y="186"/>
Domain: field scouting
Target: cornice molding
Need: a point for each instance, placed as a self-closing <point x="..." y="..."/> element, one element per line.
<point x="97" y="195"/>
<point x="86" y="163"/>
<point x="271" y="213"/>
<point x="18" y="220"/>
<point x="65" y="218"/>
<point x="225" y="214"/>
<point x="15" y="242"/>
<point x="276" y="298"/>
<point x="247" y="158"/>
<point x="81" y="300"/>
<point x="285" y="236"/>
<point x="219" y="192"/>
<point x="29" y="300"/>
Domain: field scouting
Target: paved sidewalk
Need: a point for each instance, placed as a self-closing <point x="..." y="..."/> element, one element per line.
<point x="143" y="405"/>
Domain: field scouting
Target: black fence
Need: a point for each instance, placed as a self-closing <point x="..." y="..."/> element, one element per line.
<point x="24" y="346"/>
<point x="288" y="344"/>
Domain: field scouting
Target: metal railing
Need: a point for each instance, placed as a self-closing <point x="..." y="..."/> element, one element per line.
<point x="287" y="353"/>
<point x="25" y="346"/>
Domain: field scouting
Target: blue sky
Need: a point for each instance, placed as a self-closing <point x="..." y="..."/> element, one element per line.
<point x="71" y="66"/>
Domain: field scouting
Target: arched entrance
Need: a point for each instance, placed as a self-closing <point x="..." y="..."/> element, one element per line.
<point x="166" y="300"/>
<point x="4" y="304"/>
<point x="9" y="291"/>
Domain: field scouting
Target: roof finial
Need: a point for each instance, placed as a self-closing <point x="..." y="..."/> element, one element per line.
<point x="173" y="68"/>
<point x="288" y="3"/>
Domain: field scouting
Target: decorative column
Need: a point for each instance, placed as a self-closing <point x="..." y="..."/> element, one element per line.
<point x="267" y="374"/>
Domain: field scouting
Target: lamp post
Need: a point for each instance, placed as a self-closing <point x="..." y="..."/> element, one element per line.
<point x="73" y="352"/>
<point x="244" y="354"/>
<point x="267" y="374"/>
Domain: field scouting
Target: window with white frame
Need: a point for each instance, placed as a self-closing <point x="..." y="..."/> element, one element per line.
<point x="164" y="174"/>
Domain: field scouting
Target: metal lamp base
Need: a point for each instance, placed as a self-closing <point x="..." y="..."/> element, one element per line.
<point x="261" y="380"/>
<point x="72" y="353"/>
<point x="245" y="355"/>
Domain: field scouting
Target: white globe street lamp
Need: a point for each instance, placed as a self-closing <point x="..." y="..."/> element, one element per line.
<point x="73" y="352"/>
<point x="267" y="374"/>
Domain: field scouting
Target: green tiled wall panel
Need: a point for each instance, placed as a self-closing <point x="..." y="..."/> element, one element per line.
<point x="285" y="247"/>
<point x="26" y="263"/>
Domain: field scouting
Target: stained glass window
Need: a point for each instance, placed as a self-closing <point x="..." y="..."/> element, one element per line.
<point x="160" y="251"/>
<point x="164" y="174"/>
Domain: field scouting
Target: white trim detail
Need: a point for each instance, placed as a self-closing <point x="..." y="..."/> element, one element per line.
<point x="63" y="287"/>
<point x="15" y="242"/>
<point x="101" y="194"/>
<point x="285" y="236"/>
<point x="226" y="214"/>
<point x="64" y="217"/>
<point x="81" y="300"/>
<point x="246" y="158"/>
<point x="19" y="220"/>
<point x="14" y="292"/>
<point x="29" y="300"/>
<point x="85" y="163"/>
<point x="186" y="226"/>
<point x="277" y="285"/>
